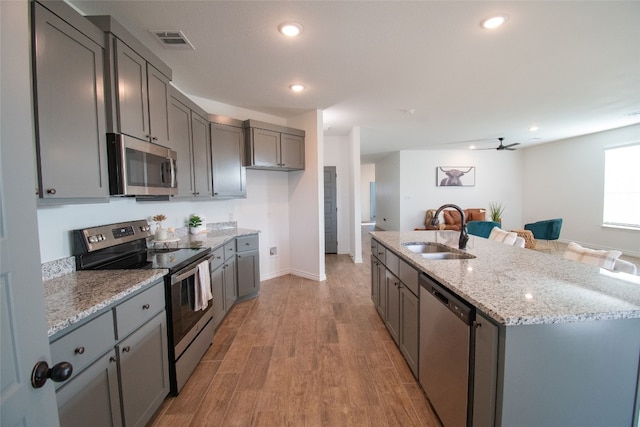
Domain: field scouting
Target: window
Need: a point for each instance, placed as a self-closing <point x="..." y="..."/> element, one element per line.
<point x="622" y="187"/>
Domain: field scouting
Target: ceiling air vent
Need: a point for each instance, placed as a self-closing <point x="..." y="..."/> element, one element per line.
<point x="172" y="39"/>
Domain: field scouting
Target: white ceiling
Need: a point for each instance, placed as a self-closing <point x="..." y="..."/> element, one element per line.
<point x="570" y="68"/>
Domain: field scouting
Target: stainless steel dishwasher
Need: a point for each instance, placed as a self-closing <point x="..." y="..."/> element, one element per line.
<point x="445" y="342"/>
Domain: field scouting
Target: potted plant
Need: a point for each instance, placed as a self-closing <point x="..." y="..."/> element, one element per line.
<point x="196" y="224"/>
<point x="160" y="233"/>
<point x="495" y="211"/>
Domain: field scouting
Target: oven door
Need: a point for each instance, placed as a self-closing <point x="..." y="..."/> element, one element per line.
<point x="186" y="321"/>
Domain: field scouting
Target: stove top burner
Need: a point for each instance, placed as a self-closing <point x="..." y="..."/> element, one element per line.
<point x="123" y="251"/>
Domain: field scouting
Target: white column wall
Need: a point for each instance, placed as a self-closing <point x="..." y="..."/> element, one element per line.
<point x="337" y="153"/>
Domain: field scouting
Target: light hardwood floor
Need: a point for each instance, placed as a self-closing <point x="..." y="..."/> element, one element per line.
<point x="303" y="353"/>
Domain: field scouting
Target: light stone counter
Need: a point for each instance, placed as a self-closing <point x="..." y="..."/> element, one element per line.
<point x="516" y="286"/>
<point x="76" y="296"/>
<point x="213" y="238"/>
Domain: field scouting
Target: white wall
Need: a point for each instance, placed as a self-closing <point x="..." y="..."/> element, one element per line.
<point x="566" y="179"/>
<point x="498" y="178"/>
<point x="354" y="193"/>
<point x="306" y="201"/>
<point x="336" y="153"/>
<point x="388" y="192"/>
<point x="367" y="175"/>
<point x="266" y="208"/>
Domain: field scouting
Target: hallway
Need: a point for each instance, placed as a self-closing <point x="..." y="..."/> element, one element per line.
<point x="303" y="353"/>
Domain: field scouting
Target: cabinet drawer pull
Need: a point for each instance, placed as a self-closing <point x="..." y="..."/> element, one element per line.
<point x="247" y="244"/>
<point x="146" y="307"/>
<point x="126" y="349"/>
<point x="79" y="350"/>
<point x="51" y="191"/>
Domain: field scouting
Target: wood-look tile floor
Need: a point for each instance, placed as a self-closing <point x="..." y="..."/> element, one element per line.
<point x="303" y="353"/>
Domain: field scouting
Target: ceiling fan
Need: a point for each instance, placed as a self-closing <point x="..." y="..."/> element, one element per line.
<point x="501" y="146"/>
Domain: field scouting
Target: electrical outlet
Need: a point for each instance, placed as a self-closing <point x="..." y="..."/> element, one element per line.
<point x="273" y="251"/>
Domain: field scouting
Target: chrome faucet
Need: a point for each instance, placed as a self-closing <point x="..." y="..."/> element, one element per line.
<point x="464" y="237"/>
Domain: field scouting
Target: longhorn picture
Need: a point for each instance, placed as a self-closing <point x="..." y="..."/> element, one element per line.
<point x="452" y="177"/>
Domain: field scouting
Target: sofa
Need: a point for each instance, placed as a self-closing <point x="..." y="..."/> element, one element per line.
<point x="451" y="220"/>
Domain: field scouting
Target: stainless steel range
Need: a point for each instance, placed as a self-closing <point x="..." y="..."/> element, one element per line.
<point x="124" y="246"/>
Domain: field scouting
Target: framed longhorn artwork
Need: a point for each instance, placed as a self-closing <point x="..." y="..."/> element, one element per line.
<point x="455" y="176"/>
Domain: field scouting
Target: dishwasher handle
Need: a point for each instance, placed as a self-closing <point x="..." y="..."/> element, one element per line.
<point x="443" y="299"/>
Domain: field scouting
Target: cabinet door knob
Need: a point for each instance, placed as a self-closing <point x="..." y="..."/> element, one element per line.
<point x="58" y="373"/>
<point x="126" y="349"/>
<point x="146" y="307"/>
<point x="113" y="359"/>
<point x="51" y="191"/>
<point x="154" y="138"/>
<point x="79" y="350"/>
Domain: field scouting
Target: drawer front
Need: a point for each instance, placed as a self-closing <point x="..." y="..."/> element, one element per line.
<point x="392" y="262"/>
<point x="381" y="253"/>
<point x="247" y="243"/>
<point x="229" y="249"/>
<point x="217" y="259"/>
<point x="85" y="344"/>
<point x="139" y="309"/>
<point x="409" y="276"/>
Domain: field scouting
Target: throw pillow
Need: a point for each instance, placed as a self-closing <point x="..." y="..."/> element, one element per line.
<point x="601" y="258"/>
<point x="502" y="236"/>
<point x="477" y="215"/>
<point x="451" y="217"/>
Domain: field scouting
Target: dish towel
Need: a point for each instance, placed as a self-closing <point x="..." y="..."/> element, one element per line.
<point x="202" y="287"/>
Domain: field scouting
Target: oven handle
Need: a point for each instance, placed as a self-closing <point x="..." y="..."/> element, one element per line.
<point x="192" y="271"/>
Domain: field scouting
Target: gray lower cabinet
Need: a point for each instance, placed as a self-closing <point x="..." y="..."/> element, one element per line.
<point x="394" y="291"/>
<point x="485" y="374"/>
<point x="223" y="281"/>
<point x="227" y="155"/>
<point x="189" y="137"/>
<point x="248" y="266"/>
<point x="120" y="375"/>
<point x="408" y="339"/>
<point x="144" y="368"/>
<point x="69" y="105"/>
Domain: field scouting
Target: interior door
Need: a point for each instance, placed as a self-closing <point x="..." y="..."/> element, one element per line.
<point x="330" y="211"/>
<point x="23" y="323"/>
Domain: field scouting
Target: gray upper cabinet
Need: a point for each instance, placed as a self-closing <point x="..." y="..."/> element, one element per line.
<point x="201" y="154"/>
<point x="137" y="86"/>
<point x="227" y="154"/>
<point x="189" y="137"/>
<point x="141" y="97"/>
<point x="180" y="141"/>
<point x="273" y="147"/>
<point x="69" y="105"/>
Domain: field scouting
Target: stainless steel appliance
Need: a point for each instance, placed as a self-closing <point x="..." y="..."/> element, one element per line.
<point x="445" y="343"/>
<point x="140" y="168"/>
<point x="124" y="246"/>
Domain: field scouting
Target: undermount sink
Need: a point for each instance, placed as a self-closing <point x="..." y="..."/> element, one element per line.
<point x="432" y="250"/>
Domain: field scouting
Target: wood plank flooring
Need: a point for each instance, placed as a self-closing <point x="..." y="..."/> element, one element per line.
<point x="303" y="353"/>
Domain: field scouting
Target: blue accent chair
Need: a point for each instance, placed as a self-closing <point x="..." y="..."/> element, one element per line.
<point x="548" y="230"/>
<point x="481" y="228"/>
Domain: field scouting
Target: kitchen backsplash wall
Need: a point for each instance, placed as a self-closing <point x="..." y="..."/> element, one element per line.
<point x="266" y="208"/>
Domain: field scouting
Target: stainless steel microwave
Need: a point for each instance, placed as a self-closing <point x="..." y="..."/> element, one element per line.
<point x="140" y="168"/>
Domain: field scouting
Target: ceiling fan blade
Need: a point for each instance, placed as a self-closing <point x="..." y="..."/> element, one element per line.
<point x="512" y="145"/>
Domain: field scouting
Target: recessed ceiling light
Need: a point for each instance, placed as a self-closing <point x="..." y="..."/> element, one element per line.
<point x="494" y="21"/>
<point x="297" y="87"/>
<point x="290" y="29"/>
<point x="533" y="128"/>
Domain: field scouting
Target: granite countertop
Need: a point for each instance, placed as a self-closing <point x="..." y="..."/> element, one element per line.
<point x="213" y="238"/>
<point x="74" y="297"/>
<point x="516" y="286"/>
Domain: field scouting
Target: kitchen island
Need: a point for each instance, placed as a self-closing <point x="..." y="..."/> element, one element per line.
<point x="555" y="342"/>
